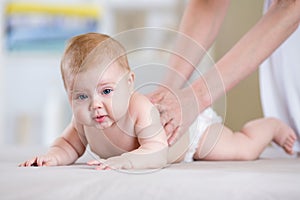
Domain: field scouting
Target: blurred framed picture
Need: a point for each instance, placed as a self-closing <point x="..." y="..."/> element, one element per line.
<point x="44" y="27"/>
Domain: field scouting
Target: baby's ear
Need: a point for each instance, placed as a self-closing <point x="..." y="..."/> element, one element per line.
<point x="131" y="77"/>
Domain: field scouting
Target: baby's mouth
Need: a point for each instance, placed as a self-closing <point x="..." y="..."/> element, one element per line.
<point x="100" y="118"/>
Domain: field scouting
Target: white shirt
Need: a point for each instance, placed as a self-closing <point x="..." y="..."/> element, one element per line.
<point x="279" y="79"/>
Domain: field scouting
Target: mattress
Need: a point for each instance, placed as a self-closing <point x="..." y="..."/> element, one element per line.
<point x="272" y="176"/>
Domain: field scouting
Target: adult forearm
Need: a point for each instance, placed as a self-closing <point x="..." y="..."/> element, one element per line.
<point x="270" y="32"/>
<point x="199" y="27"/>
<point x="272" y="29"/>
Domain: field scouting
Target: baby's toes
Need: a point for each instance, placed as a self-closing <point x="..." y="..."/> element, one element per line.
<point x="288" y="147"/>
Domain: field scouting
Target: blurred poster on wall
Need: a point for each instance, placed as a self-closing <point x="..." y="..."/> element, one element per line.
<point x="41" y="26"/>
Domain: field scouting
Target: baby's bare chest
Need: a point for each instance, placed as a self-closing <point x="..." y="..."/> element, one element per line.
<point x="111" y="142"/>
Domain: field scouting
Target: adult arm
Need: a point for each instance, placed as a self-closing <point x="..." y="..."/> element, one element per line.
<point x="198" y="29"/>
<point x="281" y="20"/>
<point x="258" y="43"/>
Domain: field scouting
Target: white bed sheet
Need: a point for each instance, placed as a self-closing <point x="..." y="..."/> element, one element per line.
<point x="270" y="177"/>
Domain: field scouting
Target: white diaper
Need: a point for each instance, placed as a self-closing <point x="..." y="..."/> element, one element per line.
<point x="196" y="130"/>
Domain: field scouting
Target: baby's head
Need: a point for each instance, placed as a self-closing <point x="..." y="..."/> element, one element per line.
<point x="97" y="79"/>
<point x="93" y="48"/>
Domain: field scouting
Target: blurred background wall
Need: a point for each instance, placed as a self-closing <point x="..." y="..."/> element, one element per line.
<point x="33" y="107"/>
<point x="243" y="101"/>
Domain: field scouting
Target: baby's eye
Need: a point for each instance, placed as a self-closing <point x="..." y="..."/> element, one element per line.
<point x="106" y="91"/>
<point x="82" y="96"/>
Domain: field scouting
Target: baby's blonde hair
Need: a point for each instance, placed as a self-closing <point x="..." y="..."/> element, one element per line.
<point x="87" y="47"/>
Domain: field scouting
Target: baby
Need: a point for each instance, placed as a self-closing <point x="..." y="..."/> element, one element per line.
<point x="123" y="127"/>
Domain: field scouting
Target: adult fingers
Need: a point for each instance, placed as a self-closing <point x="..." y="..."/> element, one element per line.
<point x="169" y="128"/>
<point x="157" y="96"/>
<point x="164" y="116"/>
<point x="174" y="136"/>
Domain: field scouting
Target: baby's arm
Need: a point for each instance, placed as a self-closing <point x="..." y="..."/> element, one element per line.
<point x="65" y="150"/>
<point x="153" y="149"/>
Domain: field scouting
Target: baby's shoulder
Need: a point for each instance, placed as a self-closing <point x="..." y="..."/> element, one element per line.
<point x="139" y="102"/>
<point x="142" y="109"/>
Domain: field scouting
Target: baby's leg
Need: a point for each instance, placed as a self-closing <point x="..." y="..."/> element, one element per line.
<point x="247" y="144"/>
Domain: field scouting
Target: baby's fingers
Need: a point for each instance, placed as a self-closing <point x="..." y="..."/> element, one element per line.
<point x="93" y="162"/>
<point x="96" y="162"/>
<point x="21" y="164"/>
<point x="103" y="167"/>
<point x="28" y="163"/>
<point x="43" y="161"/>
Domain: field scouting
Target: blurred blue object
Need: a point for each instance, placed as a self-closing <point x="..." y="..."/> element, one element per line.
<point x="47" y="27"/>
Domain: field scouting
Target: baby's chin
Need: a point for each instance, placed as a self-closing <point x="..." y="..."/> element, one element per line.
<point x="103" y="125"/>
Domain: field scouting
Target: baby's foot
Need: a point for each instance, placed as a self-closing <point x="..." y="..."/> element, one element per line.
<point x="285" y="137"/>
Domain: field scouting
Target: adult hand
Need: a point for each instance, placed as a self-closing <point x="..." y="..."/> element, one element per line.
<point x="178" y="109"/>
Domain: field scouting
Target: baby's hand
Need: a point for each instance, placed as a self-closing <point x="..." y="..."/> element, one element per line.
<point x="44" y="160"/>
<point x="117" y="162"/>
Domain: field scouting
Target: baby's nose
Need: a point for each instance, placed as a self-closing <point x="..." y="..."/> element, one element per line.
<point x="97" y="103"/>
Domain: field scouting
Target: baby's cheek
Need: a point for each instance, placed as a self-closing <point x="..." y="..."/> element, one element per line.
<point x="80" y="115"/>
